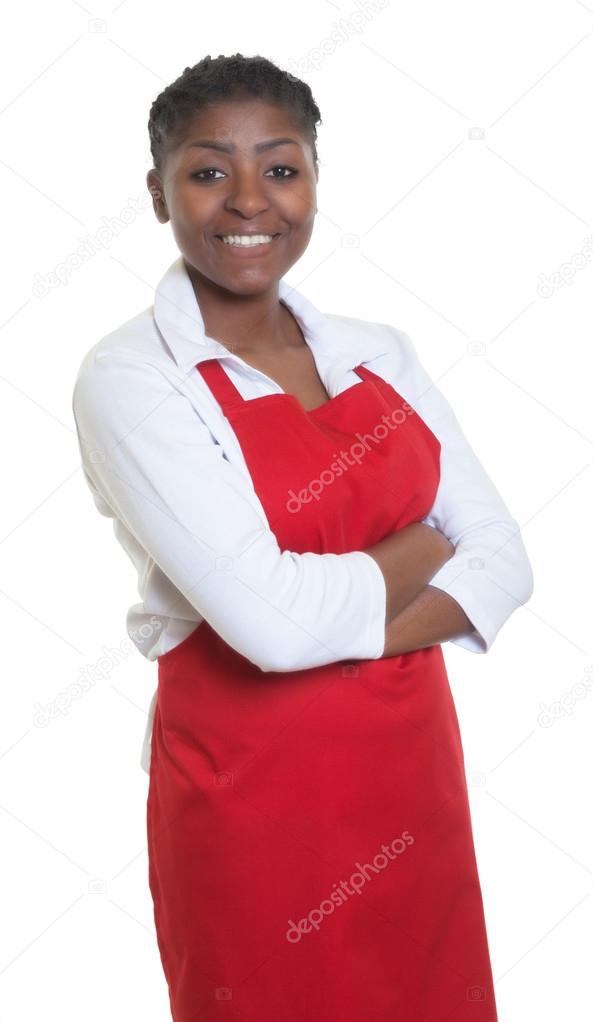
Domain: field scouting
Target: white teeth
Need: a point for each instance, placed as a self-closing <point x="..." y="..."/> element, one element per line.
<point x="246" y="239"/>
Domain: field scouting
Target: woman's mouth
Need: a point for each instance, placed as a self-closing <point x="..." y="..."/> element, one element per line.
<point x="247" y="244"/>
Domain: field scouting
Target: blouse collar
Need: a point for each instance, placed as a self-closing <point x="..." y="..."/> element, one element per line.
<point x="338" y="345"/>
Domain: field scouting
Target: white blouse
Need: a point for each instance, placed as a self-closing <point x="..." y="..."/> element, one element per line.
<point x="164" y="463"/>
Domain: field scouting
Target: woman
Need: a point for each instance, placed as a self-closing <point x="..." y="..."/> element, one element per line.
<point x="309" y="524"/>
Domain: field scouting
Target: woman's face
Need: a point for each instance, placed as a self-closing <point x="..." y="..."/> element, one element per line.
<point x="244" y="181"/>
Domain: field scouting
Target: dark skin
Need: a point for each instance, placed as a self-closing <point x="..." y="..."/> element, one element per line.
<point x="207" y="192"/>
<point x="274" y="190"/>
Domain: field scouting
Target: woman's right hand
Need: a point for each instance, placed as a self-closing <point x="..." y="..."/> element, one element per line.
<point x="408" y="559"/>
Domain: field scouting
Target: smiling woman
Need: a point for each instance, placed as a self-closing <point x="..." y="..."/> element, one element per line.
<point x="302" y="525"/>
<point x="235" y="171"/>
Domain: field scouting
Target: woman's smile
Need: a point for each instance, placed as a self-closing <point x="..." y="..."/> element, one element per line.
<point x="248" y="249"/>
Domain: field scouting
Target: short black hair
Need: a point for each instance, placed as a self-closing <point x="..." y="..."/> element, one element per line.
<point x="226" y="78"/>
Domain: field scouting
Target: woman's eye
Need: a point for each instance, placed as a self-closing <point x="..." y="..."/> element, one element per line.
<point x="207" y="170"/>
<point x="283" y="167"/>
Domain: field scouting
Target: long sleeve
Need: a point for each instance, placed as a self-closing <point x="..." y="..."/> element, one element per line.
<point x="489" y="574"/>
<point x="150" y="458"/>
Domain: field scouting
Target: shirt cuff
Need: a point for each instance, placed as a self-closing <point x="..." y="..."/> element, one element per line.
<point x="452" y="579"/>
<point x="372" y="639"/>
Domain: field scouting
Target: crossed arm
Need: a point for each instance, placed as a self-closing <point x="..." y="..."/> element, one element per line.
<point x="417" y="614"/>
<point x="154" y="466"/>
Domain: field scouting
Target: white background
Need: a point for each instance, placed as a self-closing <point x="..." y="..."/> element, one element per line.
<point x="455" y="179"/>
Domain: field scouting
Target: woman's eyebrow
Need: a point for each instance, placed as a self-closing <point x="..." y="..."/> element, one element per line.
<point x="210" y="143"/>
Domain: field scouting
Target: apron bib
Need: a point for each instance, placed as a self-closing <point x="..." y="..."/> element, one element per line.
<point x="310" y="846"/>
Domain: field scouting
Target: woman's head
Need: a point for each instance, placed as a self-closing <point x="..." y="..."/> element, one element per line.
<point x="238" y="184"/>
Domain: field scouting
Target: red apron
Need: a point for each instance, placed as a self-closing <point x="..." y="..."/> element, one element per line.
<point x="310" y="846"/>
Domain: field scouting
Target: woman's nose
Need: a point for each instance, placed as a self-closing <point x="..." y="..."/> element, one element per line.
<point x="247" y="194"/>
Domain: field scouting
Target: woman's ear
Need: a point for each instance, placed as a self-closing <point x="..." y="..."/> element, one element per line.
<point x="159" y="204"/>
